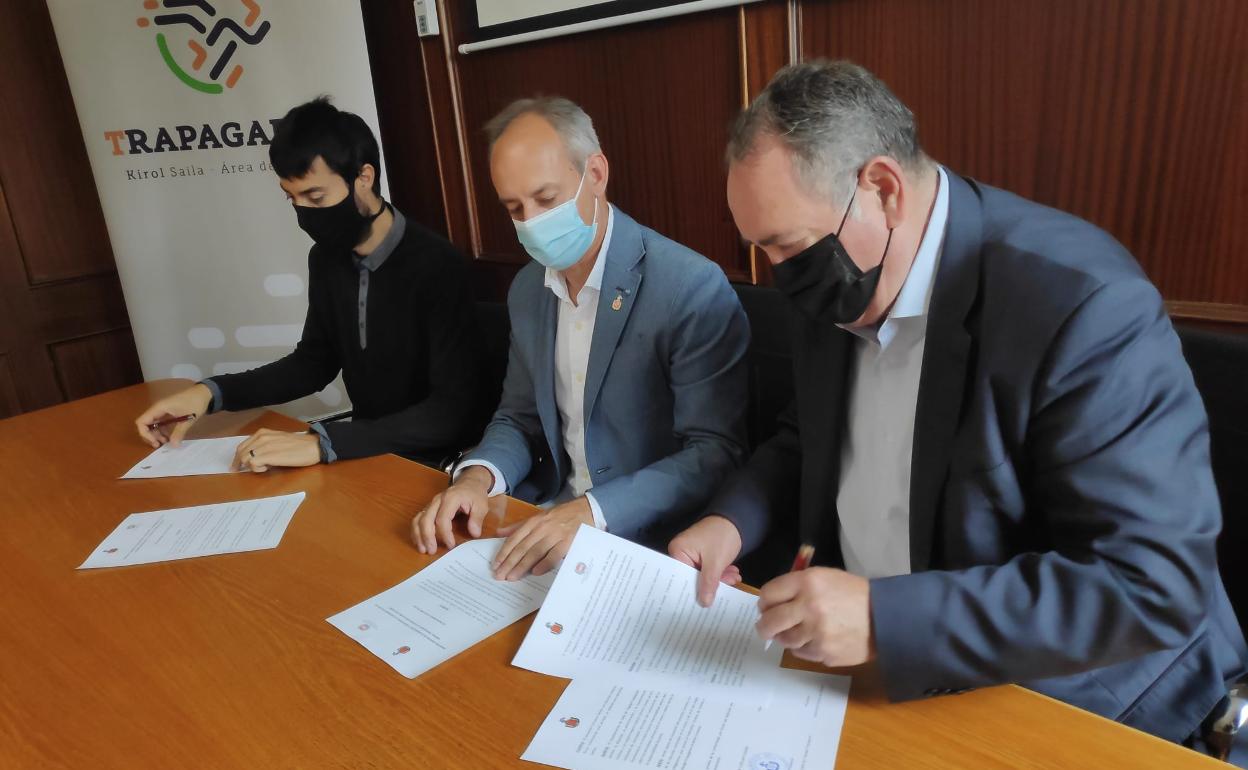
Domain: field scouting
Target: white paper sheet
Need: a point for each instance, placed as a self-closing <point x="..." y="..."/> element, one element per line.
<point x="618" y="609"/>
<point x="600" y="724"/>
<point x="202" y="530"/>
<point x="442" y="610"/>
<point x="197" y="457"/>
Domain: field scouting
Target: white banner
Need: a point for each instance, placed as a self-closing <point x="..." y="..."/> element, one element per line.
<point x="177" y="100"/>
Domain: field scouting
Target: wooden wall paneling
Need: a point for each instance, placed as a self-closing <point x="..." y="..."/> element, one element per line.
<point x="34" y="383"/>
<point x="661" y="95"/>
<point x="41" y="317"/>
<point x="1209" y="311"/>
<point x="1130" y="113"/>
<point x="44" y="163"/>
<point x="415" y="88"/>
<point x="96" y="363"/>
<point x="12" y="276"/>
<point x="407" y="134"/>
<point x="443" y="84"/>
<point x="58" y="281"/>
<point x="971" y="71"/>
<point x="1229" y="229"/>
<point x="10" y="404"/>
<point x="420" y="131"/>
<point x="73" y="309"/>
<point x="769" y="41"/>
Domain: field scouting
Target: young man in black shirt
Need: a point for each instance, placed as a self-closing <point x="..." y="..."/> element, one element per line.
<point x="388" y="306"/>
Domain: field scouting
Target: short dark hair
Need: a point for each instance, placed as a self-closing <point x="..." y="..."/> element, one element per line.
<point x="833" y="116"/>
<point x="317" y="127"/>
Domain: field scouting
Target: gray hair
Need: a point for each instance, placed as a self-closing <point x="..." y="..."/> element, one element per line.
<point x="833" y="116"/>
<point x="572" y="124"/>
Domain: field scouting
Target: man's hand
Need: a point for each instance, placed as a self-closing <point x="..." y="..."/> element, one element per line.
<point x="192" y="402"/>
<point x="821" y="614"/>
<point x="469" y="495"/>
<point x="540" y="543"/>
<point x="276" y="448"/>
<point x="710" y="546"/>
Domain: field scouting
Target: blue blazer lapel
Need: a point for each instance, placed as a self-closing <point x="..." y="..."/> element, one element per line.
<point x="620" y="281"/>
<point x="946" y="359"/>
<point x="544" y="375"/>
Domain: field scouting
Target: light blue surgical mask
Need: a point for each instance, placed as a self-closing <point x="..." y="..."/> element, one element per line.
<point x="558" y="238"/>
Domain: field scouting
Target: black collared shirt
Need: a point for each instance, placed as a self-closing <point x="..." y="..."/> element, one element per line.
<point x="375" y="259"/>
<point x="399" y="324"/>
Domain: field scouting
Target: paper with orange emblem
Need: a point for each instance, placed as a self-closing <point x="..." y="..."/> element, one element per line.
<point x="604" y="724"/>
<point x="442" y="610"/>
<point x="618" y="609"/>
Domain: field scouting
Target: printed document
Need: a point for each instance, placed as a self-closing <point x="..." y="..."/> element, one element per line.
<point x="600" y="724"/>
<point x="442" y="610"/>
<point x="619" y="611"/>
<point x="197" y="457"/>
<point x="202" y="530"/>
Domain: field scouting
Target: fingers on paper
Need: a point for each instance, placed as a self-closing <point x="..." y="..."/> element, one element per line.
<point x="538" y="545"/>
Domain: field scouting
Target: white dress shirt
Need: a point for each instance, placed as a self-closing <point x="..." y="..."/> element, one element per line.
<point x="874" y="496"/>
<point x="573" y="337"/>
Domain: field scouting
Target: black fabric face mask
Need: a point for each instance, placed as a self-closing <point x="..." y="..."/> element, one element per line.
<point x="340" y="227"/>
<point x="824" y="283"/>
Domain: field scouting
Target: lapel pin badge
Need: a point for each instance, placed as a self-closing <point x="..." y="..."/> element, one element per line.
<point x="618" y="302"/>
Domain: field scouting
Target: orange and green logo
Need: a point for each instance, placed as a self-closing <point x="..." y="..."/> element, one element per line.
<point x="212" y="35"/>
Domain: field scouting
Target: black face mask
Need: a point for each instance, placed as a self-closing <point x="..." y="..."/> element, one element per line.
<point x="340" y="227"/>
<point x="824" y="283"/>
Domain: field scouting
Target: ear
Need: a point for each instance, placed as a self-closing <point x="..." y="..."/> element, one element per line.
<point x="364" y="182"/>
<point x="884" y="177"/>
<point x="596" y="173"/>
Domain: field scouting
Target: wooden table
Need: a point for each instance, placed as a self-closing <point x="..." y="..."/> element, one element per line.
<point x="227" y="662"/>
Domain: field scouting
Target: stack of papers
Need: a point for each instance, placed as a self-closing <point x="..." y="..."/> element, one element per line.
<point x="657" y="680"/>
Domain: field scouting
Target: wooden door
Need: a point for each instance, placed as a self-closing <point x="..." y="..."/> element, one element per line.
<point x="64" y="331"/>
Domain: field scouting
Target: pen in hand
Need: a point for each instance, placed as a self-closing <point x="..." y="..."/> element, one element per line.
<point x="804" y="556"/>
<point x="171" y="421"/>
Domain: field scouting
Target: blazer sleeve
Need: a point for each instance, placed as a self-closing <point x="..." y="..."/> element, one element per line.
<point x="1117" y="474"/>
<point x="767" y="485"/>
<point x="708" y="377"/>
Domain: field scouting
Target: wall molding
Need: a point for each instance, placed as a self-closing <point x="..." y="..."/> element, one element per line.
<point x="1208" y="311"/>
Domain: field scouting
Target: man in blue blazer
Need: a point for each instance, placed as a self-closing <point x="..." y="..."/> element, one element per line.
<point x="995" y="445"/>
<point x="625" y="395"/>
